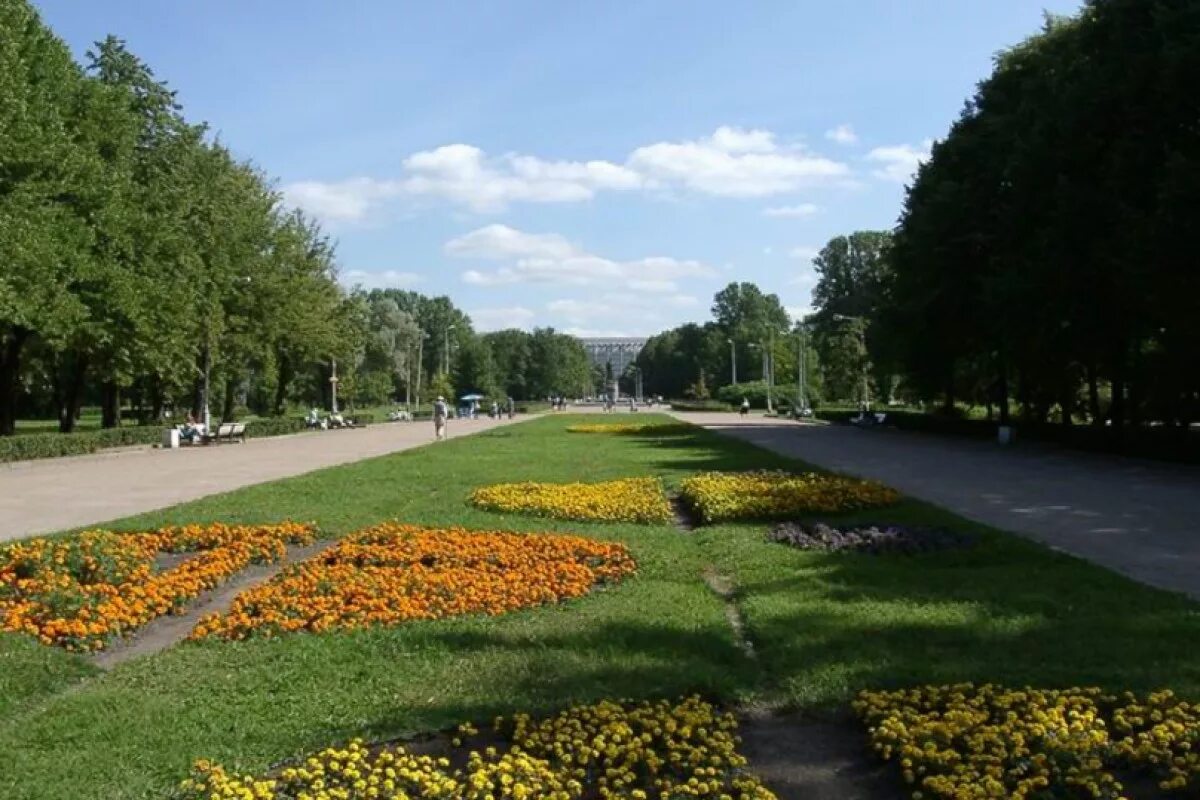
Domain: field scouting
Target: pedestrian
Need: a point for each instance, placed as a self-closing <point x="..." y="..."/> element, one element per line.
<point x="745" y="406"/>
<point x="512" y="408"/>
<point x="440" y="412"/>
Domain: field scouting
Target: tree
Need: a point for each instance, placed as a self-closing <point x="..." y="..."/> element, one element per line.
<point x="44" y="163"/>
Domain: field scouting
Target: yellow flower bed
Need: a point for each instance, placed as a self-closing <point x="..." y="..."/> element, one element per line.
<point x="635" y="428"/>
<point x="967" y="741"/>
<point x="80" y="591"/>
<point x="721" y="496"/>
<point x="624" y="500"/>
<point x="656" y="750"/>
<point x="394" y="573"/>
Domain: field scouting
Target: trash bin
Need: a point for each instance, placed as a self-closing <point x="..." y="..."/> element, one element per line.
<point x="170" y="438"/>
<point x="1004" y="435"/>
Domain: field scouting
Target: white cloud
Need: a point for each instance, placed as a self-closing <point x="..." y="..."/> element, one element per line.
<point x="899" y="162"/>
<point x="802" y="210"/>
<point x="549" y="258"/>
<point x="734" y="163"/>
<point x="804" y="253"/>
<point x="500" y="242"/>
<point x="465" y="175"/>
<point x="380" y="279"/>
<point x="797" y="313"/>
<point x="638" y="311"/>
<point x="842" y="134"/>
<point x="348" y="200"/>
<point x="498" y="319"/>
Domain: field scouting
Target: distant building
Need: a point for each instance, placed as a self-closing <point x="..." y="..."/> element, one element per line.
<point x="620" y="351"/>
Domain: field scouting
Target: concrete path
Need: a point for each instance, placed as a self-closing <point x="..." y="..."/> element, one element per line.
<point x="1137" y="517"/>
<point x="58" y="493"/>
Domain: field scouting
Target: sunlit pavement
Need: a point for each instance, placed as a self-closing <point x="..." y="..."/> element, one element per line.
<point x="1137" y="517"/>
<point x="59" y="493"/>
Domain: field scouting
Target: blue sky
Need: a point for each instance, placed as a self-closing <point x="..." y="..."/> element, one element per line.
<point x="599" y="167"/>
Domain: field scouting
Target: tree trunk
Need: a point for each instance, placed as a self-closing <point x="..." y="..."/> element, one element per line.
<point x="156" y="398"/>
<point x="10" y="373"/>
<point x="1065" y="402"/>
<point x="1093" y="383"/>
<point x="70" y="395"/>
<point x="228" y="404"/>
<point x="285" y="377"/>
<point x="948" y="401"/>
<point x="110" y="405"/>
<point x="1003" y="392"/>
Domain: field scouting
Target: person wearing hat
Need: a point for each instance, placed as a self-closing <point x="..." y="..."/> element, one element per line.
<point x="440" y="412"/>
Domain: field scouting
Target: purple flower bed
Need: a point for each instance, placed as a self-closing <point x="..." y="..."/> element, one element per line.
<point x="872" y="539"/>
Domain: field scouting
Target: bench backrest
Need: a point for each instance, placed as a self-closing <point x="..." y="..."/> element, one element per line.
<point x="238" y="429"/>
<point x="225" y="429"/>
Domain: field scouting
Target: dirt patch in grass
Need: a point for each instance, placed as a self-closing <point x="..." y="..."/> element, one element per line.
<point x="724" y="587"/>
<point x="808" y="759"/>
<point x="684" y="515"/>
<point x="169" y="630"/>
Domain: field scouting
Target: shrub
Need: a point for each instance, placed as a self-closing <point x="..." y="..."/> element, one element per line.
<point x="700" y="405"/>
<point x="23" y="447"/>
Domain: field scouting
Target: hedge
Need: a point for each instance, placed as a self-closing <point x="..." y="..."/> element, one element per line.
<point x="27" y="446"/>
<point x="700" y="405"/>
<point x="30" y="446"/>
<point x="1164" y="444"/>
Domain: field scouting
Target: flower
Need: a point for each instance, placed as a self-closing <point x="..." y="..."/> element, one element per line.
<point x="722" y="496"/>
<point x="80" y="591"/>
<point x="968" y="741"/>
<point x="393" y="573"/>
<point x="624" y="500"/>
<point x="607" y="750"/>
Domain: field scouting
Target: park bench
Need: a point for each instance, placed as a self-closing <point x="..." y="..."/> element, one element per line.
<point x="227" y="432"/>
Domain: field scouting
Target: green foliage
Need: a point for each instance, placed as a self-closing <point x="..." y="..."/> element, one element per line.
<point x="50" y="445"/>
<point x="1046" y="251"/>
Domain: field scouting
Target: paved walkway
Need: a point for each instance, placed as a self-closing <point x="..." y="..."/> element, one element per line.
<point x="59" y="493"/>
<point x="1137" y="517"/>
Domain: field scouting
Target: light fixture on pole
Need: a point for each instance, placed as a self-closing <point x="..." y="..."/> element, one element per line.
<point x="446" y="350"/>
<point x="333" y="382"/>
<point x="732" y="361"/>
<point x="862" y="338"/>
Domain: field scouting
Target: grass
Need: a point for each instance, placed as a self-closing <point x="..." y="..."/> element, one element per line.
<point x="824" y="626"/>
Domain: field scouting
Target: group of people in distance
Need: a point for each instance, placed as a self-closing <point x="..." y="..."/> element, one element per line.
<point x="441" y="413"/>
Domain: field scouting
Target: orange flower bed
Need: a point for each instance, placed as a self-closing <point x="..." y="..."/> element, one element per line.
<point x="394" y="573"/>
<point x="79" y="592"/>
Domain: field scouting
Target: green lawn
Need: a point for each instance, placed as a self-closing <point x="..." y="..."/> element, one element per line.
<point x="824" y="626"/>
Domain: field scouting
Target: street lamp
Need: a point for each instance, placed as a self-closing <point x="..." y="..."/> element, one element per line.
<point x="446" y="351"/>
<point x="420" y="363"/>
<point x="862" y="337"/>
<point x="801" y="401"/>
<point x="733" y="360"/>
<point x="333" y="382"/>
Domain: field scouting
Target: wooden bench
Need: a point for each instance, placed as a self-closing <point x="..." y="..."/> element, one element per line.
<point x="227" y="432"/>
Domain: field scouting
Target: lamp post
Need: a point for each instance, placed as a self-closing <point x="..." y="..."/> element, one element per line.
<point x="862" y="338"/>
<point x="801" y="401"/>
<point x="333" y="382"/>
<point x="770" y="353"/>
<point x="420" y="363"/>
<point x="732" y="361"/>
<point x="446" y="349"/>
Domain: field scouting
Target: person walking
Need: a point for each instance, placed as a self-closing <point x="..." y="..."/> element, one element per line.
<point x="440" y="412"/>
<point x="512" y="408"/>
